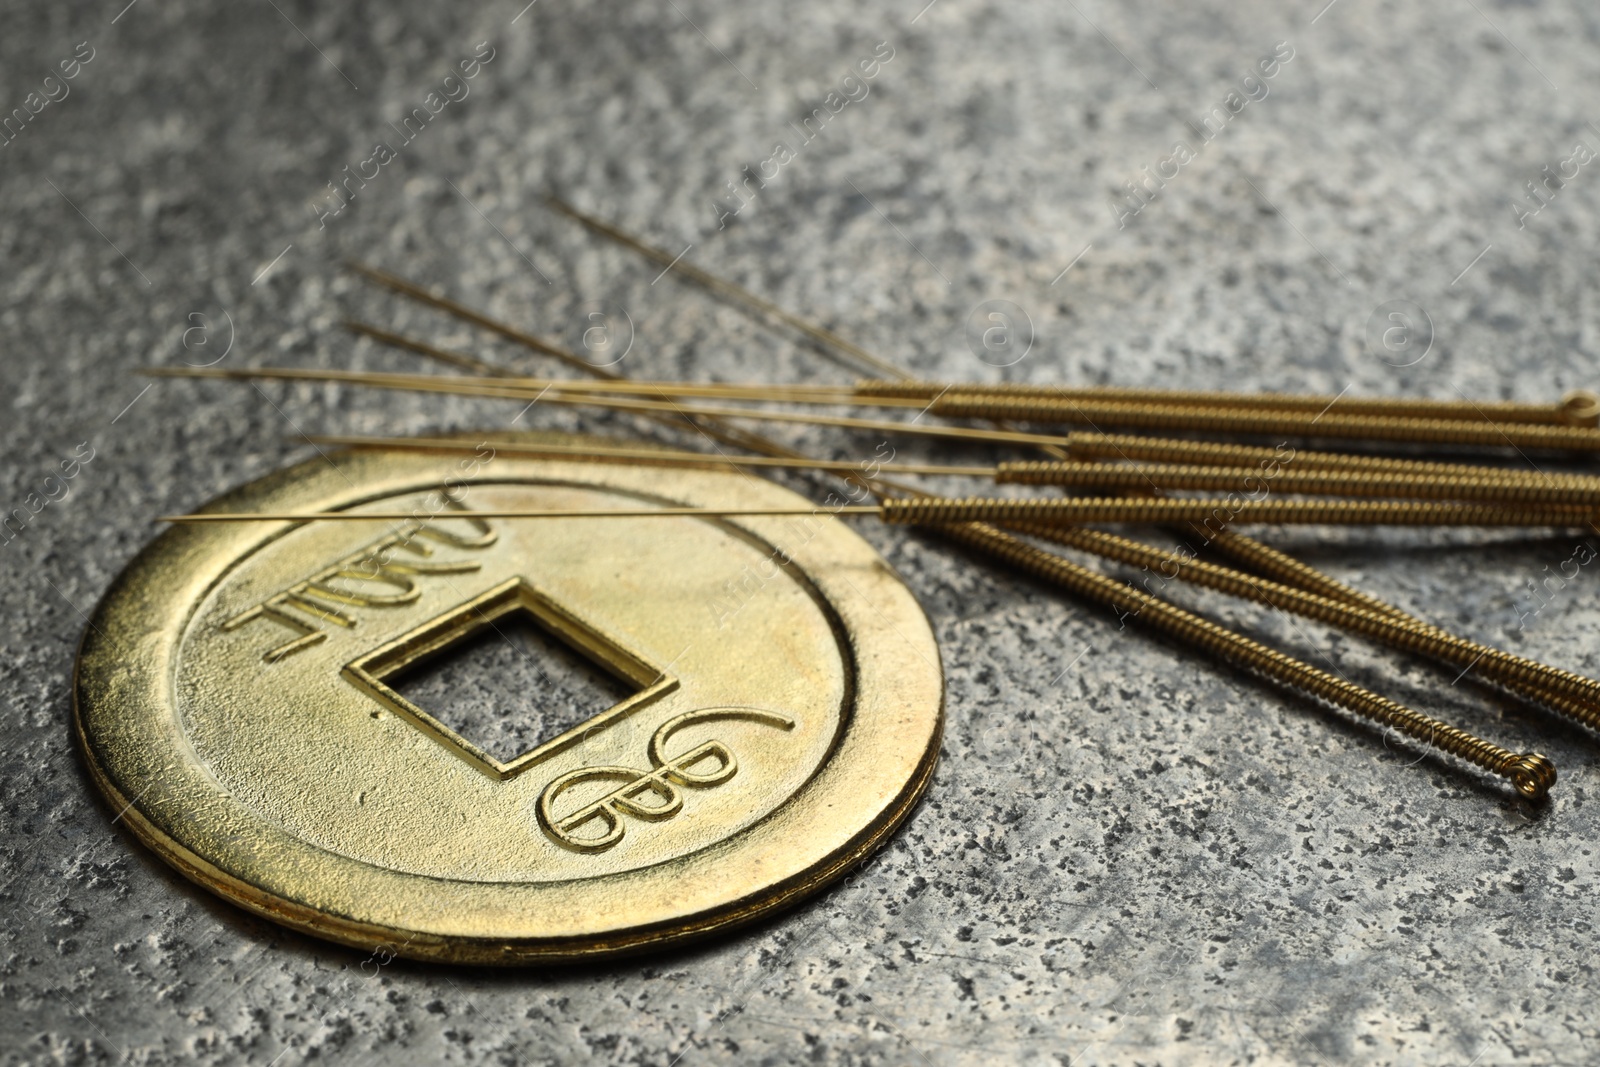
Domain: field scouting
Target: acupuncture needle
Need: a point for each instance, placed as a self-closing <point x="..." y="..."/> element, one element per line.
<point x="954" y="403"/>
<point x="932" y="510"/>
<point x="1580" y="406"/>
<point x="1576" y="409"/>
<point x="1462" y="486"/>
<point x="492" y="388"/>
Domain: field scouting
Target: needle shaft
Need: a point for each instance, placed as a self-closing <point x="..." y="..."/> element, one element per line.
<point x="665" y="456"/>
<point x="827" y="339"/>
<point x="505" y="389"/>
<point x="513" y="513"/>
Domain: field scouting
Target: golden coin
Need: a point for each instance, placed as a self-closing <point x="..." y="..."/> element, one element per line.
<point x="304" y="717"/>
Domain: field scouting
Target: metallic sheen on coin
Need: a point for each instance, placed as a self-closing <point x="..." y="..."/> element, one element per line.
<point x="243" y="699"/>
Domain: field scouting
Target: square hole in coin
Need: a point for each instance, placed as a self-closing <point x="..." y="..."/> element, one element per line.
<point x="510" y="686"/>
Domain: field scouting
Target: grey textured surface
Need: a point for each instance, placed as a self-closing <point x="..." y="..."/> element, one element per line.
<point x="511" y="689"/>
<point x="1127" y="856"/>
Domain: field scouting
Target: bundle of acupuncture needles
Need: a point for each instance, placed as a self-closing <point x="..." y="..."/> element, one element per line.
<point x="1132" y="479"/>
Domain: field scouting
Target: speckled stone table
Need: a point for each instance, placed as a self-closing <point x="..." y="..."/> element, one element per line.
<point x="1127" y="856"/>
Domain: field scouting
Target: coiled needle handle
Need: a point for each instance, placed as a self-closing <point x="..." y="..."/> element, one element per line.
<point x="925" y="510"/>
<point x="1579" y="407"/>
<point x="1316" y="482"/>
<point x="1274" y="422"/>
